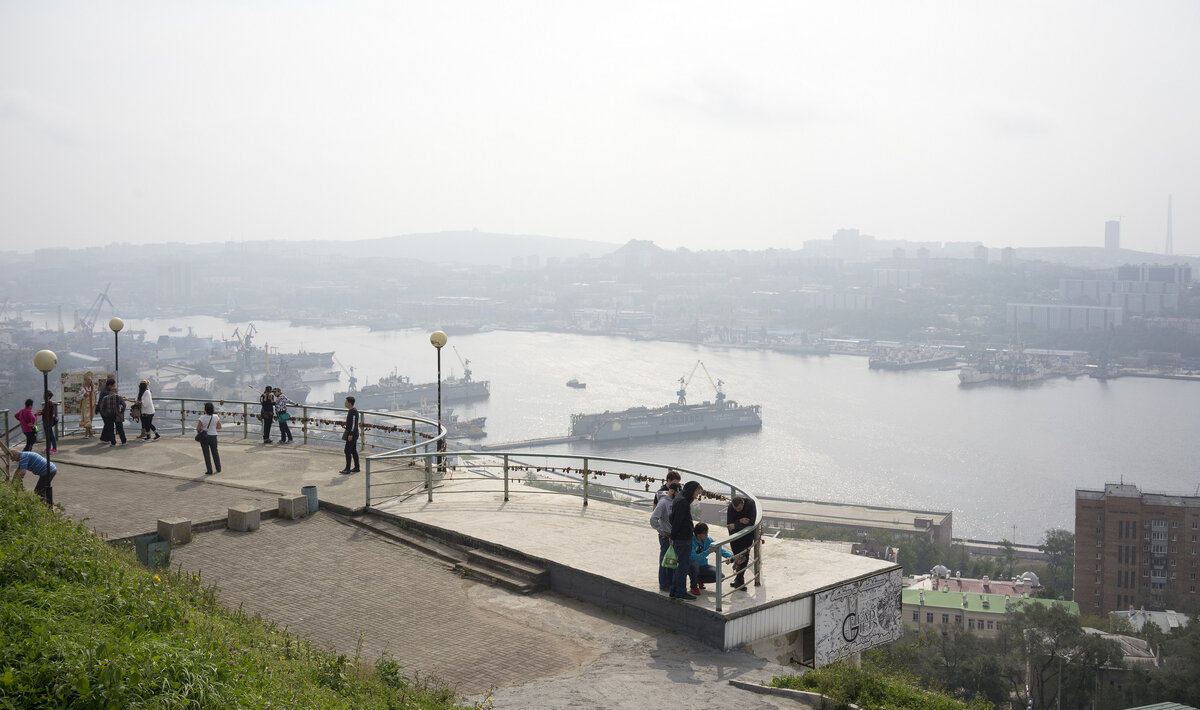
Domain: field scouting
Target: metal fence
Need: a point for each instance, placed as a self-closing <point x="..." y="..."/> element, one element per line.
<point x="396" y="476"/>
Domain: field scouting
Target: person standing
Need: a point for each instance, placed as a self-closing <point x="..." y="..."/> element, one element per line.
<point x="683" y="534"/>
<point x="207" y="427"/>
<point x="739" y="516"/>
<point x="49" y="414"/>
<point x="112" y="408"/>
<point x="660" y="520"/>
<point x="266" y="412"/>
<point x="28" y="422"/>
<point x="87" y="404"/>
<point x="37" y="464"/>
<point x="146" y="399"/>
<point x="282" y="414"/>
<point x="350" y="436"/>
<point x="106" y="432"/>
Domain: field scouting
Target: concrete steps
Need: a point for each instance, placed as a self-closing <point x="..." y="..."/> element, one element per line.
<point x="476" y="564"/>
<point x="503" y="572"/>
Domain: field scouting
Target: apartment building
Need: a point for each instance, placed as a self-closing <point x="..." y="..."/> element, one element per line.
<point x="1135" y="549"/>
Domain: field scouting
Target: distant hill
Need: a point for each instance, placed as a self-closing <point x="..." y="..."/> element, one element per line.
<point x="1101" y="258"/>
<point x="479" y="248"/>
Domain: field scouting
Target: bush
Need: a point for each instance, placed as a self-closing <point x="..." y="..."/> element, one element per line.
<point x="83" y="626"/>
<point x="871" y="690"/>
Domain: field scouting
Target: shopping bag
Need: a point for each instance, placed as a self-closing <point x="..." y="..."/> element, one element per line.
<point x="670" y="560"/>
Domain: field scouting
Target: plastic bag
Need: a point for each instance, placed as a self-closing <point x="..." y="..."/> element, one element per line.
<point x="670" y="560"/>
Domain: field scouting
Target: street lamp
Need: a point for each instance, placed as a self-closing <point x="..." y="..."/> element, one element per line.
<point x="438" y="339"/>
<point x="116" y="324"/>
<point x="45" y="360"/>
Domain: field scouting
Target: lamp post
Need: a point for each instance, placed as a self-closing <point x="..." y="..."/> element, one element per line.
<point x="116" y="324"/>
<point x="45" y="360"/>
<point x="438" y="339"/>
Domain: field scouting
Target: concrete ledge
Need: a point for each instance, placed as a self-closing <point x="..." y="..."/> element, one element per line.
<point x="802" y="697"/>
<point x="293" y="507"/>
<point x="177" y="531"/>
<point x="244" y="518"/>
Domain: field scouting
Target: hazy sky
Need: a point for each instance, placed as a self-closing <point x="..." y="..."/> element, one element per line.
<point x="699" y="124"/>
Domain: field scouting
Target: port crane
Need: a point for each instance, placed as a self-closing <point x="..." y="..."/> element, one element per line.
<point x="684" y="382"/>
<point x="86" y="324"/>
<point x="466" y="364"/>
<point x="353" y="386"/>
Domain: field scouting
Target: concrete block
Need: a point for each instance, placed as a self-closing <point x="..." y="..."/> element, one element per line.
<point x="177" y="531"/>
<point x="244" y="518"/>
<point x="293" y="507"/>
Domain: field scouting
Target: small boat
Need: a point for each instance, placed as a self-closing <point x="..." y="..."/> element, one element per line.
<point x="576" y="384"/>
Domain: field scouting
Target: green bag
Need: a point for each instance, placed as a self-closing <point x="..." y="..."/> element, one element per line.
<point x="670" y="560"/>
<point x="284" y="416"/>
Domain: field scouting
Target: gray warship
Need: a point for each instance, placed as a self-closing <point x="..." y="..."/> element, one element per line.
<point x="679" y="418"/>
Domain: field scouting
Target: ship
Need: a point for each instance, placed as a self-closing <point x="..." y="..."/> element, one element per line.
<point x="912" y="359"/>
<point x="576" y="384"/>
<point x="674" y="419"/>
<point x="397" y="391"/>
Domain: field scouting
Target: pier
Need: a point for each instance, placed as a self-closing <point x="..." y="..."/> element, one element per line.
<point x="530" y="443"/>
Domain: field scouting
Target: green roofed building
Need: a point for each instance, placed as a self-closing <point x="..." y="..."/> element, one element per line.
<point x="970" y="611"/>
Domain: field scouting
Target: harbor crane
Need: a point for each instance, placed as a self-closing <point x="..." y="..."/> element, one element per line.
<point x="684" y="382"/>
<point x="86" y="324"/>
<point x="466" y="364"/>
<point x="353" y="386"/>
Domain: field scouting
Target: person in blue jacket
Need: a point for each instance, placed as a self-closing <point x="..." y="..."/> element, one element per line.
<point x="700" y="570"/>
<point x="37" y="464"/>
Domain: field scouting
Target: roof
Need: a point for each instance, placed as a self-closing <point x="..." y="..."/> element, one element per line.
<point x="1166" y="620"/>
<point x="1163" y="706"/>
<point x="975" y="602"/>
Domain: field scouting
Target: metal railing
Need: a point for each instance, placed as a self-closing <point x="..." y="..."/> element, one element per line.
<point x="395" y="476"/>
<point x="310" y="423"/>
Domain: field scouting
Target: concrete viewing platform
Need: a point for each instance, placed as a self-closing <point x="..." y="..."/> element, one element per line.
<point x="816" y="602"/>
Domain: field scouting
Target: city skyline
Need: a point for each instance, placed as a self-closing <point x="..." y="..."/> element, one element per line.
<point x="689" y="125"/>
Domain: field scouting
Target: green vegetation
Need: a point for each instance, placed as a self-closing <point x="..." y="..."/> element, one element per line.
<point x="83" y="626"/>
<point x="873" y="689"/>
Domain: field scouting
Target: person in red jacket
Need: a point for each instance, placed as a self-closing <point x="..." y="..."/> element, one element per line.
<point x="28" y="422"/>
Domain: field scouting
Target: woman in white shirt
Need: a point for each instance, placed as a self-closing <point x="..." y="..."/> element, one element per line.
<point x="147" y="401"/>
<point x="206" y="433"/>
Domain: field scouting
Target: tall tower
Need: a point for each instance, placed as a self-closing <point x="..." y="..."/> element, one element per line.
<point x="1170" y="247"/>
<point x="1112" y="235"/>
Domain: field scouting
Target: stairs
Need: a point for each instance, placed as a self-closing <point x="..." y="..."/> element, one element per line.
<point x="486" y="567"/>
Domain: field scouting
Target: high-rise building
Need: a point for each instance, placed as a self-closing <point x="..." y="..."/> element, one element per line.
<point x="1112" y="234"/>
<point x="1135" y="549"/>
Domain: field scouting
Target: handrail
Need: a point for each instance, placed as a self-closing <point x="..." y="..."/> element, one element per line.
<point x="584" y="471"/>
<point x="416" y="430"/>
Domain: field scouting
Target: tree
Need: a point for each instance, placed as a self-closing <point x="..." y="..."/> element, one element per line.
<point x="1010" y="555"/>
<point x="1059" y="547"/>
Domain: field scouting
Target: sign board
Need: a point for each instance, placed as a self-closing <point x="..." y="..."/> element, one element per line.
<point x="855" y="617"/>
<point x="71" y="382"/>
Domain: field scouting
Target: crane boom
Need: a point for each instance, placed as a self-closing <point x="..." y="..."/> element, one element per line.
<point x="466" y="364"/>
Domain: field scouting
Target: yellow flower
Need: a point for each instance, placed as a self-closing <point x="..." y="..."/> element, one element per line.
<point x="157" y="579"/>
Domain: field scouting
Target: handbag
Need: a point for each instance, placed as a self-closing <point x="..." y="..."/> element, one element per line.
<point x="200" y="436"/>
<point x="284" y="416"/>
<point x="670" y="560"/>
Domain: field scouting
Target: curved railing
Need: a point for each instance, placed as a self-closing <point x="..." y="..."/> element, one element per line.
<point x="310" y="423"/>
<point x="401" y="475"/>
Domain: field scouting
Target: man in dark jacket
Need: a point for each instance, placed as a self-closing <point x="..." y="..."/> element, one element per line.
<point x="112" y="409"/>
<point x="740" y="516"/>
<point x="682" y="536"/>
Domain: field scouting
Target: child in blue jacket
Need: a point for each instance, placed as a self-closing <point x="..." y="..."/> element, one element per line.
<point x="700" y="570"/>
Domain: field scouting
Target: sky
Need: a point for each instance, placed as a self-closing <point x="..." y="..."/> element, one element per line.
<point x="706" y="125"/>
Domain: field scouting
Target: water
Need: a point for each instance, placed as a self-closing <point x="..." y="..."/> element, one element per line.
<point x="832" y="429"/>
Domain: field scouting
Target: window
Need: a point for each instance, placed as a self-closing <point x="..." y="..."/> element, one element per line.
<point x="1193" y="538"/>
<point x="1172" y="563"/>
<point x="1145" y="573"/>
<point x="958" y="619"/>
<point x="1174" y="549"/>
<point x="945" y="618"/>
<point x="1174" y="523"/>
<point x="929" y="617"/>
<point x="971" y="624"/>
<point x="916" y="616"/>
<point x="989" y="625"/>
<point x="1192" y="589"/>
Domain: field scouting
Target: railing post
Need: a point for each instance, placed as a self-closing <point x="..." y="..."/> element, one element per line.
<point x="758" y="555"/>
<point x="505" y="478"/>
<point x="429" y="475"/>
<point x="585" y="482"/>
<point x="304" y="425"/>
<point x="182" y="417"/>
<point x="367" y="479"/>
<point x="245" y="420"/>
<point x="718" y="555"/>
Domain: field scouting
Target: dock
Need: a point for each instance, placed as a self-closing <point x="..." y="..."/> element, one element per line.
<point x="529" y="443"/>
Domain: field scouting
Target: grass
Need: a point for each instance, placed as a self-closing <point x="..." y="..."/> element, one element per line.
<point x="845" y="683"/>
<point x="82" y="625"/>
